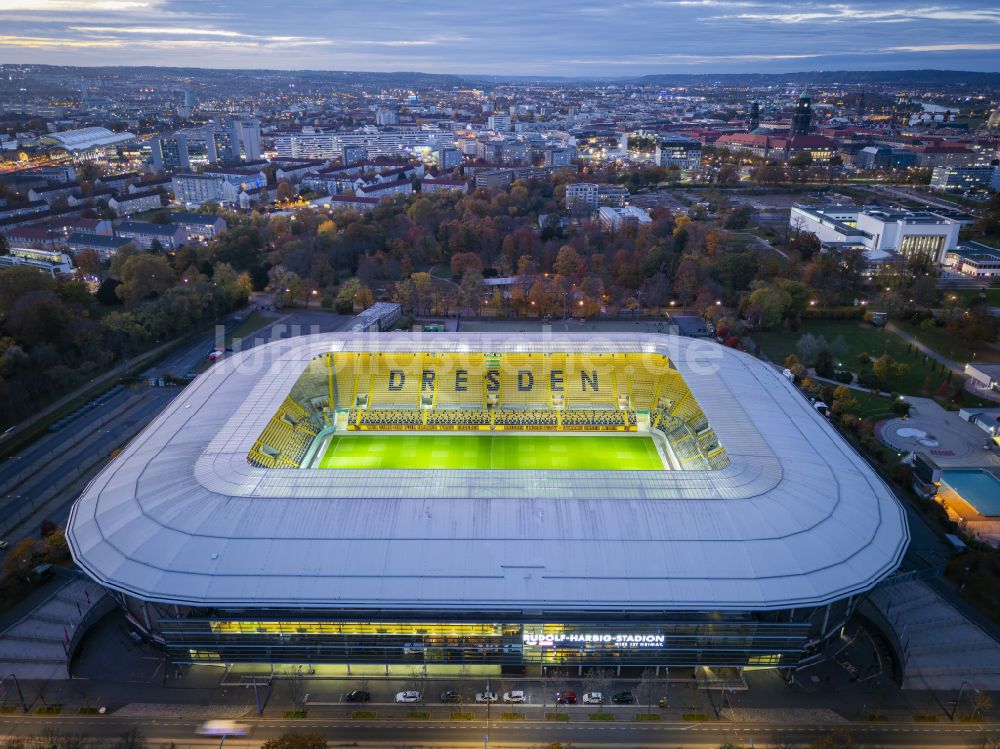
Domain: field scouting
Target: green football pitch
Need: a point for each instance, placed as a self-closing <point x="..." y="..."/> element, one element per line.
<point x="492" y="451"/>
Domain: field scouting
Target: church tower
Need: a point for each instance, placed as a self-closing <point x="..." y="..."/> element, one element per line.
<point x="754" y="121"/>
<point x="802" y="119"/>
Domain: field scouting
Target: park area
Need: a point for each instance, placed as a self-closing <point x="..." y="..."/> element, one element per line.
<point x="498" y="452"/>
<point x="859" y="337"/>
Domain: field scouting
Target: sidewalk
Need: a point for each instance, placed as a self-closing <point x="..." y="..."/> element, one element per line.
<point x="931" y="353"/>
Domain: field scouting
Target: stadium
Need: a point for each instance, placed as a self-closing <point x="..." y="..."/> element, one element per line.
<point x="458" y="503"/>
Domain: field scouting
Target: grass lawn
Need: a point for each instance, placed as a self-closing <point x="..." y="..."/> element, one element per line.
<point x="874" y="407"/>
<point x="950" y="347"/>
<point x="492" y="451"/>
<point x="250" y="325"/>
<point x="860" y="337"/>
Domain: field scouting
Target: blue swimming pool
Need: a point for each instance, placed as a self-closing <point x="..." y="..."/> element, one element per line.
<point x="979" y="488"/>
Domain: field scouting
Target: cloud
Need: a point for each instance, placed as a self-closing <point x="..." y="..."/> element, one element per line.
<point x="530" y="37"/>
<point x="114" y="6"/>
<point x="848" y="13"/>
<point x="956" y="47"/>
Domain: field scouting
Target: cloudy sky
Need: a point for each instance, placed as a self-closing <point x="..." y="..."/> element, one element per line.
<point x="544" y="37"/>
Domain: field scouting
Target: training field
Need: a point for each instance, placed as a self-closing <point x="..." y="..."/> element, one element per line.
<point x="493" y="451"/>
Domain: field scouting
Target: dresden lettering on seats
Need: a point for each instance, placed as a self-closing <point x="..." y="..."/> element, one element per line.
<point x="525" y="380"/>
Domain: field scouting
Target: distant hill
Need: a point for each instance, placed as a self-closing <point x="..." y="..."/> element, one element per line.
<point x="829" y="77"/>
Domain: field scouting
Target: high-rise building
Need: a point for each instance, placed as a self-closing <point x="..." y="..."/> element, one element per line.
<point x="386" y="117"/>
<point x="802" y="118"/>
<point x="221" y="146"/>
<point x="354" y="155"/>
<point x="246" y="138"/>
<point x="449" y="158"/>
<point x="170" y="153"/>
<point x="499" y="122"/>
<point x="754" y="121"/>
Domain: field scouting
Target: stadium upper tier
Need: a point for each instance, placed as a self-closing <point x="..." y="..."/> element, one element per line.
<point x="795" y="518"/>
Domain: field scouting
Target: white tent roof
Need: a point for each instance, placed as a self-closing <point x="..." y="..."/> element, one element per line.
<point x="796" y="519"/>
<point x="86" y="138"/>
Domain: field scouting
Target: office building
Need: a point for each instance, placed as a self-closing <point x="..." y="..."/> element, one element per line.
<point x="50" y="262"/>
<point x="678" y="153"/>
<point x="615" y="218"/>
<point x="974" y="259"/>
<point x="882" y="233"/>
<point x="962" y="179"/>
<point x="498" y="123"/>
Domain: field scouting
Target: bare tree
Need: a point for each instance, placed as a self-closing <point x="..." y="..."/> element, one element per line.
<point x="598" y="680"/>
<point x="295" y="687"/>
<point x="647" y="688"/>
<point x="981" y="702"/>
<point x="559" y="684"/>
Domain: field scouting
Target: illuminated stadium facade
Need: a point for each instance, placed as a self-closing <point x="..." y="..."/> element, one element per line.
<point x="365" y="501"/>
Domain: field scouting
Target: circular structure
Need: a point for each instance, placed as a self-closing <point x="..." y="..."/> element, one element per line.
<point x="750" y="546"/>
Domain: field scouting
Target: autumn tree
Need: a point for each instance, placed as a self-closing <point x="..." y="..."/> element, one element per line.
<point x="888" y="371"/>
<point x="144" y="276"/>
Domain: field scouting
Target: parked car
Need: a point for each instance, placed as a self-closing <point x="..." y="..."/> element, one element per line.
<point x="623" y="698"/>
<point x="3" y="544"/>
<point x="593" y="698"/>
<point x="409" y="696"/>
<point x="516" y="696"/>
<point x="358" y="695"/>
<point x="451" y="696"/>
<point x="566" y="698"/>
<point x="485" y="697"/>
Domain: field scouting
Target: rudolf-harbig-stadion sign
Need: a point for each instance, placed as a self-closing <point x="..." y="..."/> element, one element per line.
<point x="619" y="640"/>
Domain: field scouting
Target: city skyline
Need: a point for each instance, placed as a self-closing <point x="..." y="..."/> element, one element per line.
<point x="579" y="39"/>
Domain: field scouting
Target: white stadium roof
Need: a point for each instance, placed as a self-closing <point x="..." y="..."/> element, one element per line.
<point x="86" y="138"/>
<point x="796" y="519"/>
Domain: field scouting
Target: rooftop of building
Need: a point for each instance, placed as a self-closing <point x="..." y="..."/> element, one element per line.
<point x="87" y="138"/>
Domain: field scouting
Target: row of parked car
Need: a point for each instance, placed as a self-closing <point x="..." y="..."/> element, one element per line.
<point x="514" y="696"/>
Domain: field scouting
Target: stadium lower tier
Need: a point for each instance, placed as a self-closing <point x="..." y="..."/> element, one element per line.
<point x="374" y="643"/>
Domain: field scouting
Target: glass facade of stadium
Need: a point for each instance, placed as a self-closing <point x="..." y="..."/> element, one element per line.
<point x="504" y="643"/>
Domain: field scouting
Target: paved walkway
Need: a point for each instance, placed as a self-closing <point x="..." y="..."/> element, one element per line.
<point x="941" y="648"/>
<point x="931" y="353"/>
<point x="36" y="646"/>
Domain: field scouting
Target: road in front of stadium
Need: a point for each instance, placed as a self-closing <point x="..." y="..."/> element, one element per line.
<point x="43" y="480"/>
<point x="522" y="733"/>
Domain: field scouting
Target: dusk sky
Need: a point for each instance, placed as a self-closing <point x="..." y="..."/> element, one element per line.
<point x="544" y="37"/>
